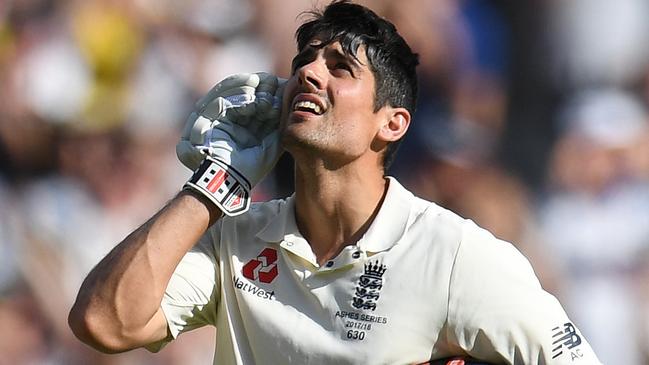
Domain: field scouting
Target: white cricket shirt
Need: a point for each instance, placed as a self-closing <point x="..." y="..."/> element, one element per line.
<point x="421" y="284"/>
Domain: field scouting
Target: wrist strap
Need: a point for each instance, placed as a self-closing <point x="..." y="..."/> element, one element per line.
<point x="223" y="185"/>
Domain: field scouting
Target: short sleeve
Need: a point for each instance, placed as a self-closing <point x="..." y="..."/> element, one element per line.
<point x="499" y="312"/>
<point x="192" y="294"/>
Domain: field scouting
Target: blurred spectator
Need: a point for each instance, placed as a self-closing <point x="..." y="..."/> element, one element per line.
<point x="8" y="235"/>
<point x="23" y="332"/>
<point x="110" y="40"/>
<point x="93" y="94"/>
<point x="595" y="216"/>
<point x="462" y="97"/>
<point x="502" y="204"/>
<point x="598" y="42"/>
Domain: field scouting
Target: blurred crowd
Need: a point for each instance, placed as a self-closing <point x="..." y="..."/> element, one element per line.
<point x="532" y="121"/>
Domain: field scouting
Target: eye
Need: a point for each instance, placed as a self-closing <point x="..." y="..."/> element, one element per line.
<point x="342" y="67"/>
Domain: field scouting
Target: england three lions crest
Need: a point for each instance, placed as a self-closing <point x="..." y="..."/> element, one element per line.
<point x="369" y="286"/>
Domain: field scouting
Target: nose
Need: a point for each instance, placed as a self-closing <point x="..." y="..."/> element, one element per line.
<point x="311" y="75"/>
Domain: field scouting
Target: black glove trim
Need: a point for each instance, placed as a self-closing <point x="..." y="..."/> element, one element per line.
<point x="223" y="185"/>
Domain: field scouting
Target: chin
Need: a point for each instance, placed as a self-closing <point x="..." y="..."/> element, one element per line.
<point x="290" y="137"/>
<point x="296" y="133"/>
<point x="293" y="142"/>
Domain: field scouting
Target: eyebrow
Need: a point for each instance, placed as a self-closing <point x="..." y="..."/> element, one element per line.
<point x="309" y="52"/>
<point x="340" y="56"/>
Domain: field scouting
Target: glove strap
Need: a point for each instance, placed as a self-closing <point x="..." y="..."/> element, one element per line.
<point x="223" y="185"/>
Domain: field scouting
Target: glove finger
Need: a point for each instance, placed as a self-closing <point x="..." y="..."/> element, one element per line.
<point x="271" y="117"/>
<point x="239" y="95"/>
<point x="231" y="85"/>
<point x="267" y="128"/>
<point x="272" y="147"/>
<point x="199" y="128"/>
<point x="226" y="130"/>
<point x="261" y="103"/>
<point x="255" y="128"/>
<point x="266" y="125"/>
<point x="262" y="157"/>
<point x="274" y="112"/>
<point x="189" y="155"/>
<point x="219" y="106"/>
<point x="189" y="124"/>
<point x="223" y="149"/>
<point x="265" y="92"/>
<point x="279" y="93"/>
<point x="242" y="120"/>
<point x="247" y="109"/>
<point x="267" y="82"/>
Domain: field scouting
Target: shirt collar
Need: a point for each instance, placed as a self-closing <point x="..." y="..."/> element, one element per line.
<point x="391" y="221"/>
<point x="387" y="228"/>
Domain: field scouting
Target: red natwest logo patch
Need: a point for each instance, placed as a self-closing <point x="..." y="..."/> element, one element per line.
<point x="263" y="268"/>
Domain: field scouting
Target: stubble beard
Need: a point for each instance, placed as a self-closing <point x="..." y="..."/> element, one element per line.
<point x="297" y="140"/>
<point x="317" y="146"/>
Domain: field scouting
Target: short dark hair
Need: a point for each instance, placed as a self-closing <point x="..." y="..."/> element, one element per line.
<point x="390" y="58"/>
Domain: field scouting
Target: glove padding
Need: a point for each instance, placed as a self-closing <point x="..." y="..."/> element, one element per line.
<point x="236" y="125"/>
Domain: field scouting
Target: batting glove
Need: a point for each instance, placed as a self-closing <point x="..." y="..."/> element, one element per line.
<point x="457" y="361"/>
<point x="231" y="139"/>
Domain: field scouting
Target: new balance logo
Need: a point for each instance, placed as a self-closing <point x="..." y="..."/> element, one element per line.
<point x="263" y="268"/>
<point x="565" y="338"/>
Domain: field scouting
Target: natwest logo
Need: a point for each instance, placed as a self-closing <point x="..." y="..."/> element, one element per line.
<point x="263" y="268"/>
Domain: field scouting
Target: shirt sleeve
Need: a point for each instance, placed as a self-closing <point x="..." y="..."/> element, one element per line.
<point x="192" y="294"/>
<point x="498" y="311"/>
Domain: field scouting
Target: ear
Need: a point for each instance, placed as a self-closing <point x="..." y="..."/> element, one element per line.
<point x="395" y="124"/>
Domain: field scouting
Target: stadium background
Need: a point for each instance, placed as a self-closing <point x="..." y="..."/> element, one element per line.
<point x="532" y="121"/>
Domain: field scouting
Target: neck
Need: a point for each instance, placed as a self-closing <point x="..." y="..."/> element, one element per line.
<point x="334" y="208"/>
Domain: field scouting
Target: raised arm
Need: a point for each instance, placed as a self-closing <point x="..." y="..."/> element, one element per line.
<point x="118" y="305"/>
<point x="231" y="141"/>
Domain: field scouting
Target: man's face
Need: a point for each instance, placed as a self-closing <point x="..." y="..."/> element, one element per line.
<point x="328" y="104"/>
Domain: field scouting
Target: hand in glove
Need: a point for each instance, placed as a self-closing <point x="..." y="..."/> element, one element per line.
<point x="232" y="140"/>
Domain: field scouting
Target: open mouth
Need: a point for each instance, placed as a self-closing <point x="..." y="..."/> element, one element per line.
<point x="308" y="106"/>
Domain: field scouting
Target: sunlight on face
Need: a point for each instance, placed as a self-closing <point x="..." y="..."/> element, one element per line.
<point x="329" y="103"/>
